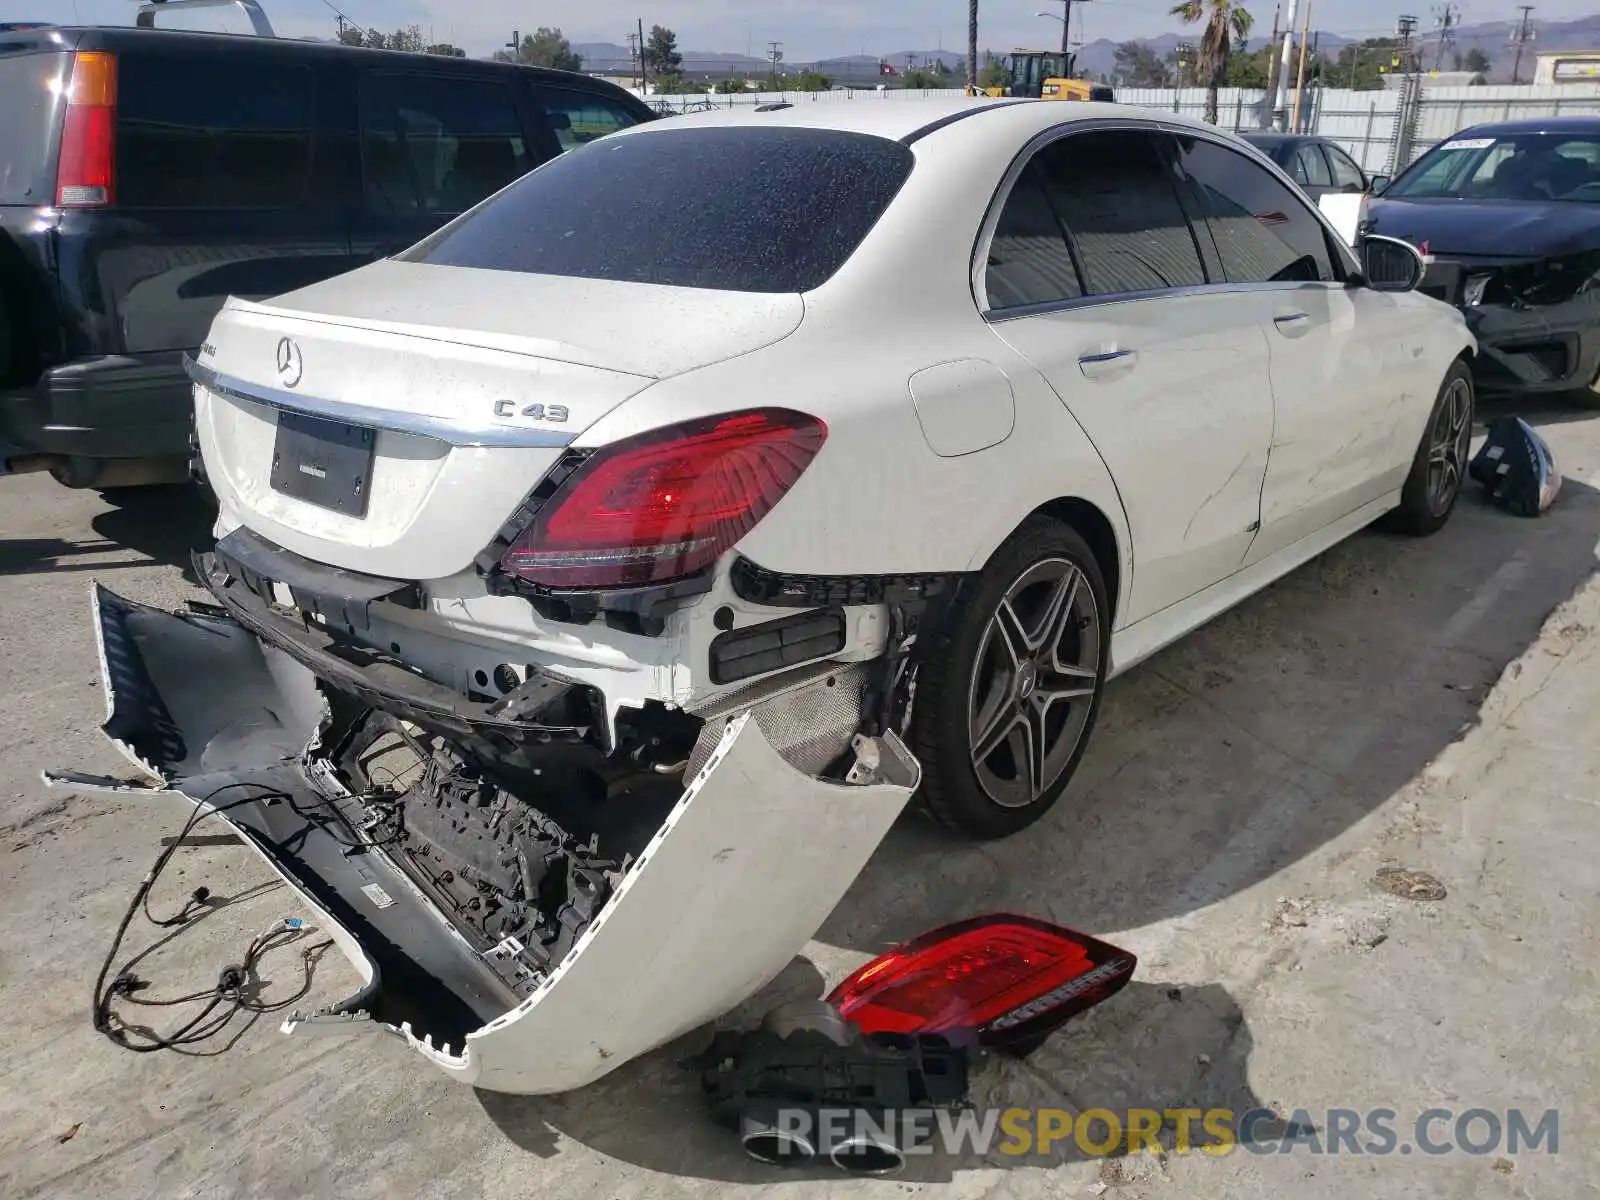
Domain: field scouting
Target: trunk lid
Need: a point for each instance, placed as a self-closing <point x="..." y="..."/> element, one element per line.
<point x="471" y="383"/>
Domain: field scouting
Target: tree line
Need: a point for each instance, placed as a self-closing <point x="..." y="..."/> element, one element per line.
<point x="408" y="38"/>
<point x="548" y="47"/>
<point x="1360" y="66"/>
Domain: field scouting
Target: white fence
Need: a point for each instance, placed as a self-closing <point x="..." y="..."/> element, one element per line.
<point x="1369" y="125"/>
<point x="1445" y="111"/>
<point x="1363" y="123"/>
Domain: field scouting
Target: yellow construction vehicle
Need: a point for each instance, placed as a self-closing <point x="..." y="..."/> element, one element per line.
<point x="1042" y="75"/>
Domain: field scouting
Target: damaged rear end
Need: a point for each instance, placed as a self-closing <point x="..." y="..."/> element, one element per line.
<point x="528" y="919"/>
<point x="485" y="675"/>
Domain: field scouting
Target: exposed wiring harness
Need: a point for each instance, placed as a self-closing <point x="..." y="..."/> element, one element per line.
<point x="236" y="988"/>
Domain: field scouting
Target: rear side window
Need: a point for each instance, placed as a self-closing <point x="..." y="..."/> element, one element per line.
<point x="219" y="132"/>
<point x="28" y="83"/>
<point x="1264" y="232"/>
<point x="734" y="208"/>
<point x="1119" y="203"/>
<point x="433" y="144"/>
<point x="577" y="118"/>
<point x="1310" y="168"/>
<point x="1029" y="262"/>
<point x="1345" y="172"/>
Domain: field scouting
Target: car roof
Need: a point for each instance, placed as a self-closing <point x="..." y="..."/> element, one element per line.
<point x="1532" y="125"/>
<point x="120" y="37"/>
<point x="914" y="118"/>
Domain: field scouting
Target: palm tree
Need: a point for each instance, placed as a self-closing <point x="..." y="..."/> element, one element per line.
<point x="972" y="43"/>
<point x="1226" y="22"/>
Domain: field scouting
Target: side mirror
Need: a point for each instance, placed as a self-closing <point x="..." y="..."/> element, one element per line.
<point x="1380" y="184"/>
<point x="1390" y="264"/>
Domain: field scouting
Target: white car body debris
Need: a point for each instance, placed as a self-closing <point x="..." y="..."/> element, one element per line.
<point x="597" y="580"/>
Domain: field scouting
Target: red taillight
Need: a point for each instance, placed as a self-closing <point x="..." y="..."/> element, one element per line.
<point x="86" y="169"/>
<point x="666" y="503"/>
<point x="1003" y="977"/>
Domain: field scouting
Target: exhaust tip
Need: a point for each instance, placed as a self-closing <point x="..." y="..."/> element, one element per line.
<point x="776" y="1147"/>
<point x="867" y="1156"/>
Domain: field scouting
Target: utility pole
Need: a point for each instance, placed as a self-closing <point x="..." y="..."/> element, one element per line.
<point x="515" y="44"/>
<point x="633" y="58"/>
<point x="1272" y="76"/>
<point x="1447" y="18"/>
<point x="1300" y="79"/>
<point x="644" y="59"/>
<point x="774" y="53"/>
<point x="1519" y="39"/>
<point x="1285" y="64"/>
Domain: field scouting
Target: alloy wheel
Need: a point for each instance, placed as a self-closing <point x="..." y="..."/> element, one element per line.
<point x="1449" y="442"/>
<point x="1034" y="683"/>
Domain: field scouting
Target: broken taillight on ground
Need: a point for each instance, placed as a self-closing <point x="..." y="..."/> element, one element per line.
<point x="1008" y="980"/>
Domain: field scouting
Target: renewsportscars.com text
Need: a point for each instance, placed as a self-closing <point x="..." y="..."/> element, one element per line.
<point x="1098" y="1132"/>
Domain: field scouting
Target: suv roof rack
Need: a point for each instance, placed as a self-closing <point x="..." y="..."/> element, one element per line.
<point x="251" y="8"/>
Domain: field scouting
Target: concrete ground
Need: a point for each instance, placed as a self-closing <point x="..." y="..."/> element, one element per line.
<point x="1427" y="705"/>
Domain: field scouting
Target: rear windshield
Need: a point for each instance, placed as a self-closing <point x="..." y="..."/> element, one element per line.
<point x="740" y="209"/>
<point x="28" y="83"/>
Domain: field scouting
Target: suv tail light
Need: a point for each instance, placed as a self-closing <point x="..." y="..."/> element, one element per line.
<point x="86" y="170"/>
<point x="667" y="503"/>
<point x="1007" y="979"/>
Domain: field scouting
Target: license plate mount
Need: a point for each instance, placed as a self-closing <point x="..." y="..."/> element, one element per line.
<point x="323" y="462"/>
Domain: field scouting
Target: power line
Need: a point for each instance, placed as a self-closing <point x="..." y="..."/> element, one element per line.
<point x="328" y="4"/>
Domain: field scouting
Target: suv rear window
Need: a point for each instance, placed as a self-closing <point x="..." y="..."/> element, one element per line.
<point x="734" y="208"/>
<point x="28" y="84"/>
<point x="221" y="132"/>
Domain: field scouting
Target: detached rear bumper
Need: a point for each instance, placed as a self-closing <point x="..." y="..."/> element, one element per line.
<point x="742" y="871"/>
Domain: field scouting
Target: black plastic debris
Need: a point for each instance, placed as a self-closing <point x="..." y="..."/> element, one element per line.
<point x="1517" y="468"/>
<point x="807" y="1072"/>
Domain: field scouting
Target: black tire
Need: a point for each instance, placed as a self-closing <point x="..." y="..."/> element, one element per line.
<point x="1439" y="469"/>
<point x="962" y="681"/>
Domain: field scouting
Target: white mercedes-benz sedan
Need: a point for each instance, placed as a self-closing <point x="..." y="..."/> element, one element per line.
<point x="598" y="579"/>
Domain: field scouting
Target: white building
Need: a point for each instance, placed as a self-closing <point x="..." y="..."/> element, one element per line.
<point x="1567" y="66"/>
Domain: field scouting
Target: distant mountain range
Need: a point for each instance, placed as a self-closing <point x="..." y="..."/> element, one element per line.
<point x="1098" y="57"/>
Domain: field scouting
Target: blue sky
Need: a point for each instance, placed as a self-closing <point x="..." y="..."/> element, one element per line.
<point x="807" y="28"/>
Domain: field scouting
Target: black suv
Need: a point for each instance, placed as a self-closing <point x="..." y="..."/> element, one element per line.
<point x="146" y="175"/>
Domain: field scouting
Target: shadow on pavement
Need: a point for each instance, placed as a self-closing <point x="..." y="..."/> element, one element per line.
<point x="1253" y="741"/>
<point x="165" y="523"/>
<point x="161" y="524"/>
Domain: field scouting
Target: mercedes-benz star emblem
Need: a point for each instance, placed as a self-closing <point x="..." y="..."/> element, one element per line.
<point x="290" y="365"/>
